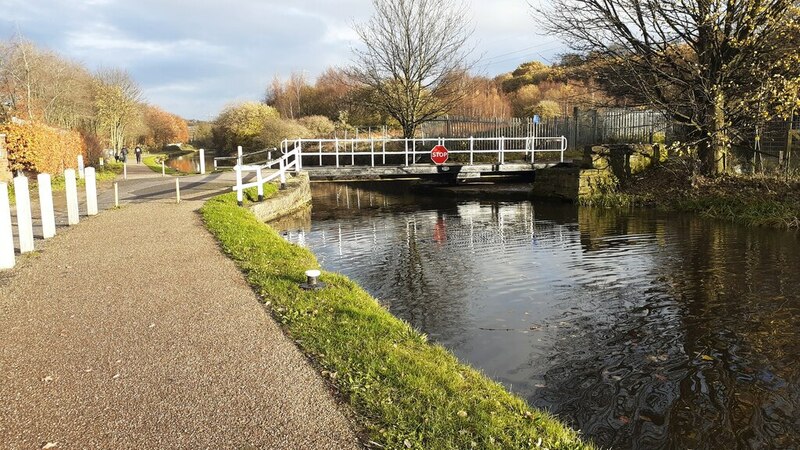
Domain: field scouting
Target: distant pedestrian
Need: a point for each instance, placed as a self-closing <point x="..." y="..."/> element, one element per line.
<point x="138" y="152"/>
<point x="123" y="155"/>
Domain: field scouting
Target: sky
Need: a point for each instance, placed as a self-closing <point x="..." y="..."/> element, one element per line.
<point x="194" y="58"/>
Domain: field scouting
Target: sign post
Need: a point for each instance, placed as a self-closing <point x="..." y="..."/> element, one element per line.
<point x="439" y="155"/>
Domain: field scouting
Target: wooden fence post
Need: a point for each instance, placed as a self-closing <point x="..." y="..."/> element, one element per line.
<point x="7" y="259"/>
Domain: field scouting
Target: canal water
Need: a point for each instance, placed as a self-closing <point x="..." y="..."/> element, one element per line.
<point x="190" y="163"/>
<point x="641" y="329"/>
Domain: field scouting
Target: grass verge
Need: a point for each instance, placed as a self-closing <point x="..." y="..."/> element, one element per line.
<point x="406" y="391"/>
<point x="153" y="161"/>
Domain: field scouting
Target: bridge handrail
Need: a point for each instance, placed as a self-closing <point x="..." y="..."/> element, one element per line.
<point x="349" y="146"/>
<point x="244" y="156"/>
<point x="290" y="160"/>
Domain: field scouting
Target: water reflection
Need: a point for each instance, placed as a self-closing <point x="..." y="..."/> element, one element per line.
<point x="190" y="163"/>
<point x="642" y="330"/>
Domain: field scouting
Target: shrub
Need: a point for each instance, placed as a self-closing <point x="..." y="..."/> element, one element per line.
<point x="34" y="147"/>
<point x="319" y="126"/>
<point x="276" y="130"/>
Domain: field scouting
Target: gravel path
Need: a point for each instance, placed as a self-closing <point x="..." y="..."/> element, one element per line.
<point x="133" y="330"/>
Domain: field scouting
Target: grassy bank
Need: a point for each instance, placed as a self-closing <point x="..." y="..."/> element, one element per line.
<point x="406" y="392"/>
<point x="153" y="161"/>
<point x="753" y="200"/>
<point x="105" y="173"/>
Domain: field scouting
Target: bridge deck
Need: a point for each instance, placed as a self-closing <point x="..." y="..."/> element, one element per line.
<point x="418" y="170"/>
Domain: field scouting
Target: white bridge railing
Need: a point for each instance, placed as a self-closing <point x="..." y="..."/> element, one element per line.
<point x="289" y="161"/>
<point x="376" y="150"/>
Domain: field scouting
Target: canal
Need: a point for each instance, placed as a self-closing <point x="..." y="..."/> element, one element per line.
<point x="642" y="329"/>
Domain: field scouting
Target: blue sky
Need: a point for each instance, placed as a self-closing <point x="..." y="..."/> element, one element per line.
<point x="193" y="58"/>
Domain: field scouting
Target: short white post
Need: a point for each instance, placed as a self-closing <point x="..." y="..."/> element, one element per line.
<point x="202" y="162"/>
<point x="116" y="194"/>
<point x="282" y="172"/>
<point x="406" y="153"/>
<point x="383" y="146"/>
<point x="502" y="150"/>
<point x="124" y="171"/>
<point x="471" y="148"/>
<point x="81" y="167"/>
<point x="177" y="190"/>
<point x="24" y="219"/>
<point x="239" y="193"/>
<point x="72" y="197"/>
<point x="260" y="181"/>
<point x="372" y="151"/>
<point x="91" y="191"/>
<point x="7" y="259"/>
<point x="46" y="205"/>
<point x="102" y="162"/>
<point x="337" y="152"/>
<point x="163" y="168"/>
<point x="239" y="154"/>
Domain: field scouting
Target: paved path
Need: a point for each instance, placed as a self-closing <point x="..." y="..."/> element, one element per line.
<point x="133" y="330"/>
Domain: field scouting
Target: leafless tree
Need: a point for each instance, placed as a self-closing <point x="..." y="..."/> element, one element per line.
<point x="413" y="53"/>
<point x="711" y="64"/>
<point x="117" y="102"/>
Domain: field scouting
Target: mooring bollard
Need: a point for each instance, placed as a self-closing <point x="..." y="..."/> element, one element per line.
<point x="177" y="190"/>
<point x="312" y="281"/>
<point x="24" y="219"/>
<point x="91" y="191"/>
<point x="7" y="259"/>
<point x="116" y="194"/>
<point x="202" y="162"/>
<point x="46" y="205"/>
<point x="73" y="216"/>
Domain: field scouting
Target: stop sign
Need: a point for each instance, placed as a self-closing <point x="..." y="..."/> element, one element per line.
<point x="439" y="154"/>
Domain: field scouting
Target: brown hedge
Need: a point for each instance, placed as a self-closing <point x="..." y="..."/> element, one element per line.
<point x="37" y="148"/>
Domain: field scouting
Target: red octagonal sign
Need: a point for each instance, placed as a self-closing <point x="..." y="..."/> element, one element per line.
<point x="439" y="154"/>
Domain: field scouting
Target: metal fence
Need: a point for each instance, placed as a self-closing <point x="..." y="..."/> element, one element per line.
<point x="584" y="127"/>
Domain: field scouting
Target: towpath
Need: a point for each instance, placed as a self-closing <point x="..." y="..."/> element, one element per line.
<point x="133" y="330"/>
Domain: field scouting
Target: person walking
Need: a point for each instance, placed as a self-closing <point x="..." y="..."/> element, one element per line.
<point x="123" y="155"/>
<point x="138" y="153"/>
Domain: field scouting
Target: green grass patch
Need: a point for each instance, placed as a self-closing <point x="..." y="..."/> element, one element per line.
<point x="153" y="161"/>
<point x="406" y="391"/>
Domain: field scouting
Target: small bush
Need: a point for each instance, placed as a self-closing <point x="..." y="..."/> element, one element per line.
<point x="38" y="148"/>
<point x="319" y="126"/>
<point x="276" y="130"/>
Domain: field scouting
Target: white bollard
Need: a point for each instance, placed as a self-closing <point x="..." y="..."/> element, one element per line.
<point x="24" y="219"/>
<point x="116" y="194"/>
<point x="177" y="190"/>
<point x="81" y="170"/>
<point x="7" y="259"/>
<point x="46" y="206"/>
<point x="125" y="171"/>
<point x="91" y="192"/>
<point x="202" y="162"/>
<point x="72" y="197"/>
<point x="163" y="169"/>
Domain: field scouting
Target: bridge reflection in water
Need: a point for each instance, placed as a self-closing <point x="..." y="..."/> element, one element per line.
<point x="641" y="329"/>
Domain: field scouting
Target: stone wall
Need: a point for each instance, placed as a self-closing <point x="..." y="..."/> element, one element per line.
<point x="296" y="196"/>
<point x="601" y="170"/>
<point x="5" y="173"/>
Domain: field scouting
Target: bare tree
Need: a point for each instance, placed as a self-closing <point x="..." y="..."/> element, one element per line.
<point x="711" y="64"/>
<point x="413" y="54"/>
<point x="117" y="98"/>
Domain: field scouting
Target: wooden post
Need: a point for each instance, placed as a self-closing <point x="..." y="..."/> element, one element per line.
<point x="239" y="192"/>
<point x="46" y="205"/>
<point x="260" y="182"/>
<point x="72" y="197"/>
<point x="7" y="259"/>
<point x="91" y="191"/>
<point x="24" y="219"/>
